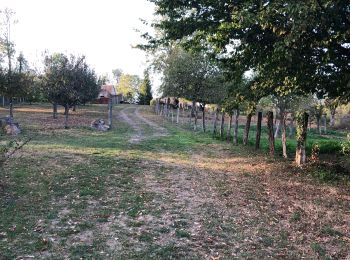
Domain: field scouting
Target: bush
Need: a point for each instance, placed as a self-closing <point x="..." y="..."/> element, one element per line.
<point x="324" y="175"/>
<point x="326" y="146"/>
<point x="345" y="146"/>
<point x="153" y="102"/>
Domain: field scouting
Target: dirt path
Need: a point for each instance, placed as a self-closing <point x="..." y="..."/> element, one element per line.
<point x="137" y="135"/>
<point x="213" y="204"/>
<point x="137" y="122"/>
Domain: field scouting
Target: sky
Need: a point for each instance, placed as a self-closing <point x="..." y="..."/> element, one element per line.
<point x="103" y="31"/>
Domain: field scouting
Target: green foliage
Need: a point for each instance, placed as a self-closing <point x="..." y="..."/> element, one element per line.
<point x="329" y="231"/>
<point x="324" y="175"/>
<point x="145" y="91"/>
<point x="345" y="146"/>
<point x="301" y="119"/>
<point x="182" y="233"/>
<point x="295" y="46"/>
<point x="68" y="81"/>
<point x="317" y="248"/>
<point x="153" y="102"/>
<point x="296" y="216"/>
<point x="192" y="76"/>
<point x="326" y="146"/>
<point x="129" y="87"/>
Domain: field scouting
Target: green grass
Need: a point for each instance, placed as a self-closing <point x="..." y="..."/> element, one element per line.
<point x="78" y="193"/>
<point x="63" y="172"/>
<point x="329" y="144"/>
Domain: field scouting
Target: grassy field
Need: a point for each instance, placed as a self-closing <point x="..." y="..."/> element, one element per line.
<point x="148" y="189"/>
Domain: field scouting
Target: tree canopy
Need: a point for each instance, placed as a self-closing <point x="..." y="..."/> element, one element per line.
<point x="145" y="91"/>
<point x="192" y="76"/>
<point x="128" y="85"/>
<point x="68" y="81"/>
<point x="299" y="46"/>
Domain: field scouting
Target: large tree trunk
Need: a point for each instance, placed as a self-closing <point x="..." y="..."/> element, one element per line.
<point x="246" y="129"/>
<point x="284" y="134"/>
<point x="54" y="110"/>
<point x="235" y="130"/>
<point x="66" y="112"/>
<point x="270" y="133"/>
<point x="203" y="119"/>
<point x="302" y="122"/>
<point x="258" y="131"/>
<point x="228" y="135"/>
<point x="11" y="107"/>
<point x="216" y="117"/>
<point x="222" y="125"/>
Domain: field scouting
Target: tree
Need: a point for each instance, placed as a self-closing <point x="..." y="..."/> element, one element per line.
<point x="192" y="76"/>
<point x="283" y="105"/>
<point x="145" y="91"/>
<point x="129" y="86"/>
<point x="68" y="81"/>
<point x="317" y="110"/>
<point x="297" y="47"/>
<point x="15" y="73"/>
<point x="117" y="73"/>
<point x="332" y="105"/>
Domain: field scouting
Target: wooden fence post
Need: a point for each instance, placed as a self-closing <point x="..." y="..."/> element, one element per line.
<point x="270" y="131"/>
<point x="258" y="131"/>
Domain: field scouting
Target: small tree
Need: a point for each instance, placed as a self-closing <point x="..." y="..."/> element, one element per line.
<point x="332" y="104"/>
<point x="128" y="85"/>
<point x="145" y="91"/>
<point x="194" y="77"/>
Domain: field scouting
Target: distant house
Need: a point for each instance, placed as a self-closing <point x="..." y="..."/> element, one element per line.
<point x="107" y="92"/>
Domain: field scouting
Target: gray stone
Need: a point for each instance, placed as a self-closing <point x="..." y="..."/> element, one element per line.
<point x="12" y="129"/>
<point x="9" y="127"/>
<point x="99" y="125"/>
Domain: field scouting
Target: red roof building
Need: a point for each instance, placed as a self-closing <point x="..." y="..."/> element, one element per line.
<point x="106" y="91"/>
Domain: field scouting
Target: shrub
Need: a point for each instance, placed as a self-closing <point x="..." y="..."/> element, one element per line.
<point x="326" y="146"/>
<point x="345" y="146"/>
<point x="153" y="102"/>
